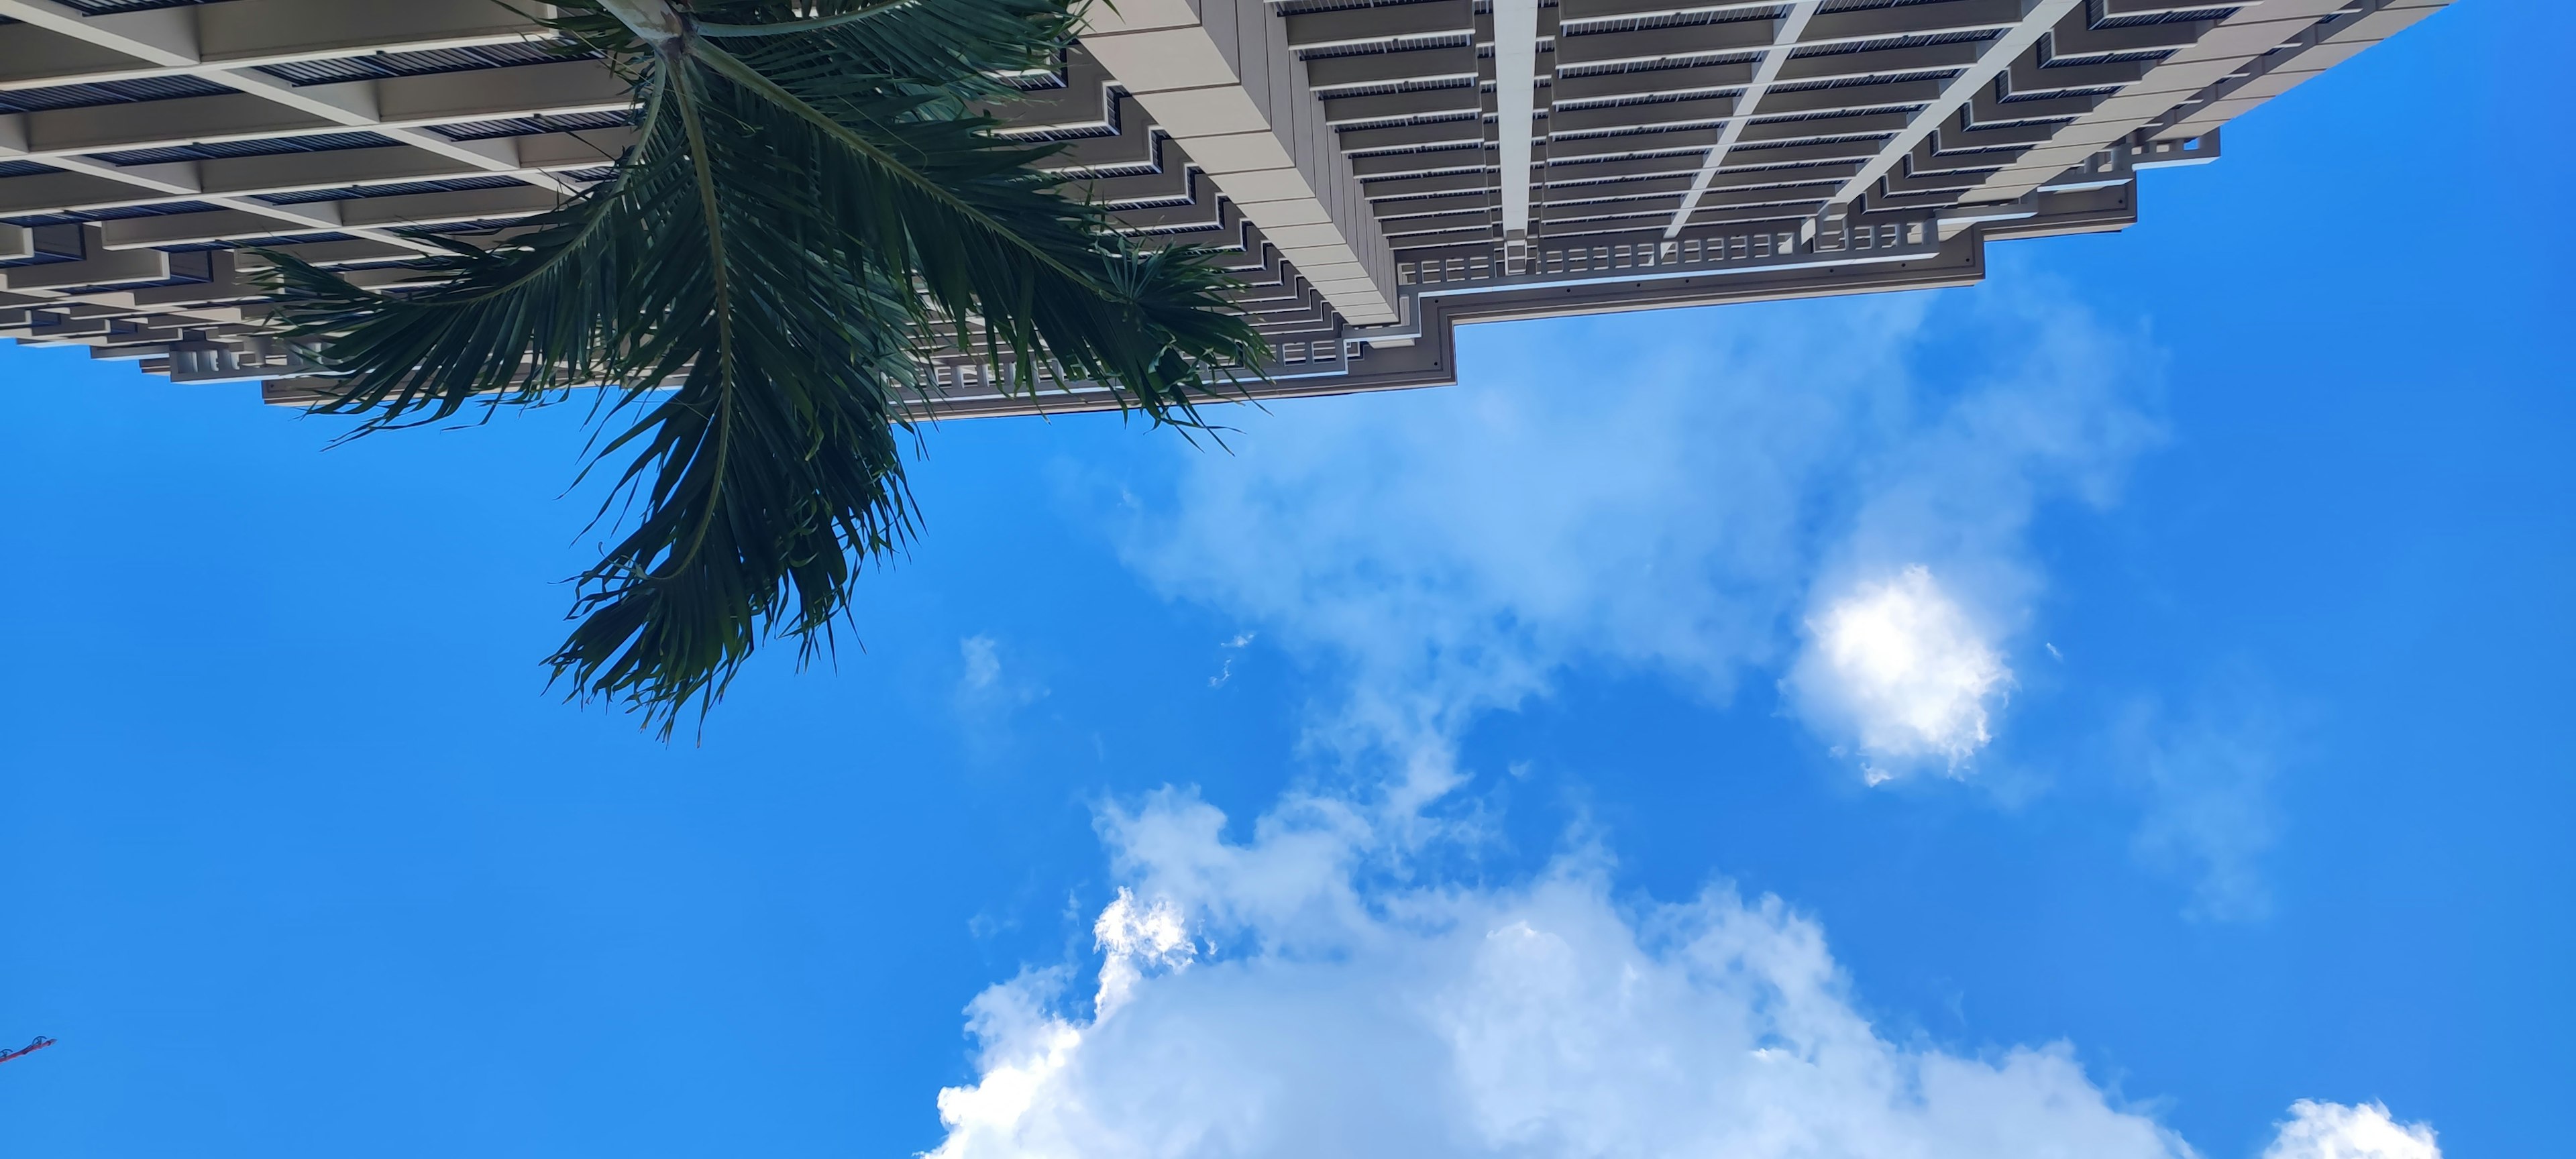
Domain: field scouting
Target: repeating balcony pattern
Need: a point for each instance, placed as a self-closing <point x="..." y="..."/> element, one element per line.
<point x="1379" y="171"/>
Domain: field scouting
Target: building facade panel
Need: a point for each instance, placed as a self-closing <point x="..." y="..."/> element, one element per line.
<point x="1381" y="171"/>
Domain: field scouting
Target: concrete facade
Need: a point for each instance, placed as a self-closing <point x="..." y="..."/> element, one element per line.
<point x="1383" y="171"/>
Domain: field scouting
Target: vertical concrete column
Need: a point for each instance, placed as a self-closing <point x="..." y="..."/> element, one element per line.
<point x="1218" y="75"/>
<point x="1515" y="109"/>
<point x="1550" y="33"/>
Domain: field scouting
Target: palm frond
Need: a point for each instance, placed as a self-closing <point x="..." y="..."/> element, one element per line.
<point x="803" y="215"/>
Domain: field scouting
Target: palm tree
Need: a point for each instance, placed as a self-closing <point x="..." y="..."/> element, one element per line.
<point x="812" y="205"/>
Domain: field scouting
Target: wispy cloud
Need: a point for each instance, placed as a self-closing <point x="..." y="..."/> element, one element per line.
<point x="987" y="692"/>
<point x="2207" y="773"/>
<point x="1676" y="495"/>
<point x="982" y="660"/>
<point x="1225" y="669"/>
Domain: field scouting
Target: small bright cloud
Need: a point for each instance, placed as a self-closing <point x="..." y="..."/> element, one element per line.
<point x="2333" y="1131"/>
<point x="1900" y="668"/>
<point x="1134" y="938"/>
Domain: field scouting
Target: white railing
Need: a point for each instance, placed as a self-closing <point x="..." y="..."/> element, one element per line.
<point x="1876" y="237"/>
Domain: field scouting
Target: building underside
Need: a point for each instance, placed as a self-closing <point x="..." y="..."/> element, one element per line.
<point x="1380" y="171"/>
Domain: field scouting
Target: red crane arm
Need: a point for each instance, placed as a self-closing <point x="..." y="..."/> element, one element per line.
<point x="41" y="1043"/>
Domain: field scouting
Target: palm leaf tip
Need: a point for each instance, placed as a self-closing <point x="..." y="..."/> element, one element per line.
<point x="756" y="286"/>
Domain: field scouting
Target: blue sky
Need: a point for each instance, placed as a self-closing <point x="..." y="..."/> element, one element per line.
<point x="1445" y="745"/>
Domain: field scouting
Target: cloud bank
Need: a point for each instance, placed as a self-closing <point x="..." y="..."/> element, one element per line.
<point x="1291" y="996"/>
<point x="1306" y="1011"/>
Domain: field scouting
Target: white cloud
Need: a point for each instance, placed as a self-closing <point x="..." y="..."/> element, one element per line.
<point x="1635" y="493"/>
<point x="1134" y="938"/>
<point x="1225" y="671"/>
<point x="1303" y="993"/>
<point x="2333" y="1131"/>
<point x="1543" y="1019"/>
<point x="1661" y="493"/>
<point x="987" y="693"/>
<point x="2207" y="778"/>
<point x="1898" y="664"/>
<point x="982" y="659"/>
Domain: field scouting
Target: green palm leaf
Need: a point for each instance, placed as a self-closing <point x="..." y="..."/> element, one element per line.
<point x="805" y="214"/>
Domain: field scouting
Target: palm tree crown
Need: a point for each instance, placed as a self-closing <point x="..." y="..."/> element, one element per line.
<point x="811" y="206"/>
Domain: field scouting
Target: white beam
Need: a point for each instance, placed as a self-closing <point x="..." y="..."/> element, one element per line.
<point x="228" y="181"/>
<point x="566" y="88"/>
<point x="2037" y="17"/>
<point x="172" y="40"/>
<point x="1784" y="38"/>
<point x="1515" y="107"/>
<point x="248" y="32"/>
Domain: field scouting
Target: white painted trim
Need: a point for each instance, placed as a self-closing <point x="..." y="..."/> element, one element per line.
<point x="1791" y="27"/>
<point x="1515" y="105"/>
<point x="2038" y="16"/>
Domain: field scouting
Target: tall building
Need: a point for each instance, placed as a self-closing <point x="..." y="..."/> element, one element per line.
<point x="1385" y="170"/>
